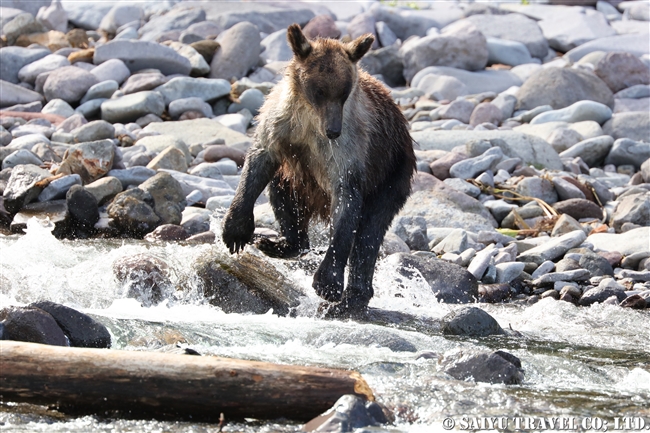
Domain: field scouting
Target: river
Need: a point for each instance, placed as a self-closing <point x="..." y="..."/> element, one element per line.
<point x="579" y="362"/>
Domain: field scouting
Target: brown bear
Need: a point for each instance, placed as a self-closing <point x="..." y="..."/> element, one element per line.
<point x="331" y="144"/>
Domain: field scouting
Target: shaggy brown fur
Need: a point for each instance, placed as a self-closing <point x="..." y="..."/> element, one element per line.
<point x="332" y="144"/>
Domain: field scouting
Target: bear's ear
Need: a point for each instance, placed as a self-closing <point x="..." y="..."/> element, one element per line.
<point x="360" y="46"/>
<point x="298" y="42"/>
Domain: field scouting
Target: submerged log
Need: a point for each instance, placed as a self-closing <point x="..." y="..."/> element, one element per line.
<point x="137" y="384"/>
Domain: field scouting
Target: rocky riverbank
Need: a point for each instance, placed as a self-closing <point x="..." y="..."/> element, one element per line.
<point x="533" y="137"/>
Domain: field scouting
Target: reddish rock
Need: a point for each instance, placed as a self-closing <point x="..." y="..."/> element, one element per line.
<point x="485" y="112"/>
<point x="579" y="208"/>
<point x="440" y="167"/>
<point x="621" y="70"/>
<point x="217" y="152"/>
<point x="321" y="26"/>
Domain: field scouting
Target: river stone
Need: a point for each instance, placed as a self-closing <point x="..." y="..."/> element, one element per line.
<point x="13" y="94"/>
<point x="472" y="167"/>
<point x="475" y="82"/>
<point x="175" y="19"/>
<point x="180" y="106"/>
<point x="502" y="51"/>
<point x="199" y="65"/>
<point x="167" y="232"/>
<point x="245" y="284"/>
<point x="168" y="197"/>
<point x="632" y="125"/>
<point x="105" y="188"/>
<point x="276" y="48"/>
<point x="460" y="109"/>
<point x="627" y="243"/>
<point x="132" y="212"/>
<point x="553" y="248"/>
<point x="81" y="329"/>
<point x="186" y="87"/>
<point x="58" y="107"/>
<point x="633" y="209"/>
<point x="158" y="143"/>
<point x="138" y="55"/>
<point x="129" y="108"/>
<point x="30" y="71"/>
<point x="90" y="160"/>
<point x="170" y="158"/>
<point x="93" y="131"/>
<point x="496" y="367"/>
<point x="449" y="282"/>
<point x="103" y="90"/>
<point x="363" y="24"/>
<point x="13" y="59"/>
<point x="626" y="151"/>
<point x="634" y="92"/>
<point x="459" y="45"/>
<point x="82" y="207"/>
<point x="566" y="29"/>
<point x="563" y="138"/>
<point x="631" y="43"/>
<point x="217" y="152"/>
<point x="143" y="277"/>
<point x="59" y="187"/>
<point x="120" y="15"/>
<point x="413" y="231"/>
<point x="250" y="99"/>
<point x="485" y="112"/>
<point x="579" y="208"/>
<point x="143" y="81"/>
<point x="69" y="83"/>
<point x="606" y="289"/>
<point x="530" y="149"/>
<point x="197" y="131"/>
<point x="577" y="112"/>
<point x="537" y="187"/>
<point x="592" y="151"/>
<point x="568" y="188"/>
<point x="470" y="322"/>
<point x="240" y="51"/>
<point x="513" y="27"/>
<point x="22" y="24"/>
<point x="620" y="70"/>
<point x="32" y="325"/>
<point x="23" y="186"/>
<point x="561" y="87"/>
<point x="454" y="209"/>
<point x="441" y="87"/>
<point x="596" y="265"/>
<point x="113" y="69"/>
<point x="20" y="157"/>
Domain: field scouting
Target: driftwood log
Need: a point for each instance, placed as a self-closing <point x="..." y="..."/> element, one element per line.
<point x="143" y="384"/>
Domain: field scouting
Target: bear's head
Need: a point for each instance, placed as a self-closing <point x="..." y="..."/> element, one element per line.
<point x="324" y="71"/>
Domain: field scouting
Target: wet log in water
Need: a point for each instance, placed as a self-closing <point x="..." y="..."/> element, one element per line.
<point x="168" y="386"/>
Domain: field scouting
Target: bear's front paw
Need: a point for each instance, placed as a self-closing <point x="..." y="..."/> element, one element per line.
<point x="328" y="284"/>
<point x="237" y="231"/>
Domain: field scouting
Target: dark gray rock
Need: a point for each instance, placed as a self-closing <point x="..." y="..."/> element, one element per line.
<point x="133" y="212"/>
<point x="143" y="277"/>
<point x="82" y="206"/>
<point x="470" y="322"/>
<point x="168" y="197"/>
<point x="386" y="62"/>
<point x="601" y="294"/>
<point x="537" y="187"/>
<point x="579" y="208"/>
<point x="561" y="87"/>
<point x="32" y="325"/>
<point x="413" y="231"/>
<point x="449" y="282"/>
<point x="81" y="329"/>
<point x="59" y="187"/>
<point x="596" y="264"/>
<point x="496" y="367"/>
<point x="52" y="213"/>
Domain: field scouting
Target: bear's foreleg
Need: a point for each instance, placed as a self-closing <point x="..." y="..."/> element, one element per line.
<point x="346" y="212"/>
<point x="293" y="215"/>
<point x="239" y="223"/>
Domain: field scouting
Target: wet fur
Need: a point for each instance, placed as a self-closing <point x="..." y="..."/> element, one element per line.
<point x="357" y="181"/>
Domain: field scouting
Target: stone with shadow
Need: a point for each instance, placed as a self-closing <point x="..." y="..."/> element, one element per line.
<point x="32" y="325"/>
<point x="495" y="367"/>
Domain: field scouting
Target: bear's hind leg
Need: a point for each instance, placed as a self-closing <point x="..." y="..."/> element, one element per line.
<point x="291" y="214"/>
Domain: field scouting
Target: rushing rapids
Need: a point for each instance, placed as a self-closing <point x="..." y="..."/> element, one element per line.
<point x="589" y="362"/>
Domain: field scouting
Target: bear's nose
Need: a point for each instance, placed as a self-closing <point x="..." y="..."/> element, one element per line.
<point x="333" y="133"/>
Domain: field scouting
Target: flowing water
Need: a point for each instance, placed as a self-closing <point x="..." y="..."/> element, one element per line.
<point x="578" y="362"/>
